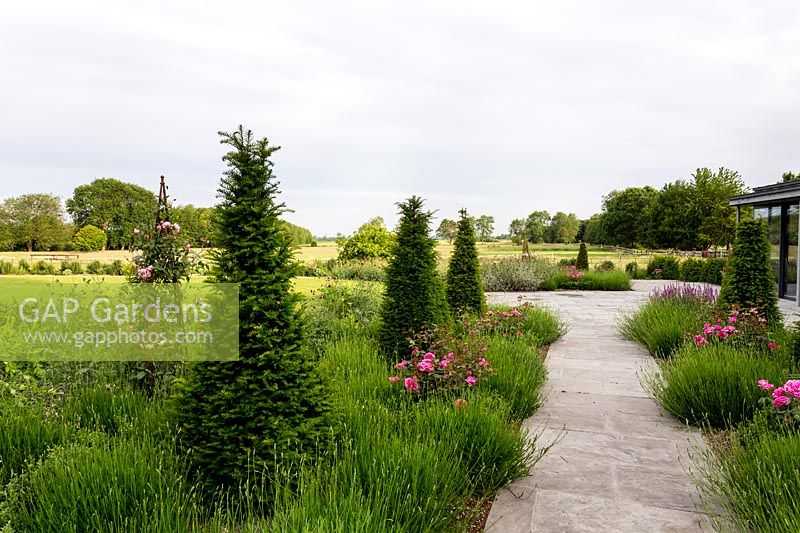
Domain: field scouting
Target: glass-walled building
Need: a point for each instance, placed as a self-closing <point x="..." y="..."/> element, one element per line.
<point x="779" y="206"/>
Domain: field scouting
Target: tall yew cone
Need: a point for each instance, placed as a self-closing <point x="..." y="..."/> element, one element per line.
<point x="241" y="417"/>
<point x="748" y="280"/>
<point x="464" y="288"/>
<point x="414" y="297"/>
<point x="582" y="263"/>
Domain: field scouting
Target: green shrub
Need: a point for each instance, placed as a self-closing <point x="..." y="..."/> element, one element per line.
<point x="109" y="485"/>
<point x="713" y="269"/>
<point x="464" y="289"/>
<point x="115" y="268"/>
<point x="23" y="267"/>
<point x="89" y="239"/>
<point x="582" y="262"/>
<point x="748" y="280"/>
<point x="715" y="384"/>
<point x="613" y="280"/>
<point x="692" y="269"/>
<point x="95" y="268"/>
<point x="414" y="296"/>
<point x="664" y="267"/>
<point x="371" y="241"/>
<point x="662" y="324"/>
<point x="567" y="262"/>
<point x="357" y="270"/>
<point x="515" y="274"/>
<point x="43" y="268"/>
<point x="244" y="416"/>
<point x="340" y="309"/>
<point x="756" y="484"/>
<point x="7" y="267"/>
<point x="74" y="267"/>
<point x="605" y="266"/>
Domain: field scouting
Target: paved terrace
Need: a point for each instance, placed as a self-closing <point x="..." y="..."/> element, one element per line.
<point x="621" y="462"/>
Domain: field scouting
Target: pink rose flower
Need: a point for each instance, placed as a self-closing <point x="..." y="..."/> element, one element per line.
<point x="731" y="319"/>
<point x="136" y="231"/>
<point x="444" y="362"/>
<point x="777" y="392"/>
<point x="425" y="365"/>
<point x="176" y="229"/>
<point x="401" y="365"/>
<point x="772" y="345"/>
<point x="460" y="403"/>
<point x="699" y="340"/>
<point x="394" y="379"/>
<point x="429" y="356"/>
<point x="471" y="381"/>
<point x="483" y="362"/>
<point x="781" y="401"/>
<point x="766" y="385"/>
<point x="414" y="352"/>
<point x="792" y="387"/>
<point x="411" y="384"/>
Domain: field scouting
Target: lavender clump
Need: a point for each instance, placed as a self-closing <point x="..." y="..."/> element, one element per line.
<point x="685" y="292"/>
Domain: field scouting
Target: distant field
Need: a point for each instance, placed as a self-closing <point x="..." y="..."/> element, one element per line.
<point x="328" y="250"/>
<point x="303" y="285"/>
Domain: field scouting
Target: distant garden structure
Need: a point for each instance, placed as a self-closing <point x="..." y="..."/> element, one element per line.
<point x="779" y="206"/>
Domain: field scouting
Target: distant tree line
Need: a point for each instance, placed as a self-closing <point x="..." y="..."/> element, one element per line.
<point x="101" y="215"/>
<point x="685" y="214"/>
<point x="483" y="227"/>
<point x="540" y="227"/>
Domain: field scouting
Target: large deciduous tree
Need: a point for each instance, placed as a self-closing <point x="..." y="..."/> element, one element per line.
<point x="484" y="227"/>
<point x="447" y="229"/>
<point x="267" y="407"/>
<point x="113" y="206"/>
<point x="563" y="228"/>
<point x="624" y="215"/>
<point x="34" y="221"/>
<point x="536" y="225"/>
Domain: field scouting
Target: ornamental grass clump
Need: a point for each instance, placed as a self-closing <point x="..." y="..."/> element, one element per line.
<point x="464" y="288"/>
<point x="268" y="407"/>
<point x="713" y="384"/>
<point x="756" y="483"/>
<point x="668" y="318"/>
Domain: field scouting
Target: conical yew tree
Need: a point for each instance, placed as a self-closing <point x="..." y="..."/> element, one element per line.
<point x="582" y="263"/>
<point x="748" y="280"/>
<point x="464" y="288"/>
<point x="414" y="296"/>
<point x="237" y="417"/>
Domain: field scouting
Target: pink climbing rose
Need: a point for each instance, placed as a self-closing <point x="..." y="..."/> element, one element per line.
<point x="471" y="381"/>
<point x="411" y="384"/>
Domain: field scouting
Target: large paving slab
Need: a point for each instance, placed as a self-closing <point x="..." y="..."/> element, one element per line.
<point x="619" y="463"/>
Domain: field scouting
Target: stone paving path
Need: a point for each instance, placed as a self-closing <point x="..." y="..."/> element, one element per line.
<point x="621" y="463"/>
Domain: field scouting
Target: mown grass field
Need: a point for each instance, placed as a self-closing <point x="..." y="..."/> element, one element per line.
<point x="328" y="250"/>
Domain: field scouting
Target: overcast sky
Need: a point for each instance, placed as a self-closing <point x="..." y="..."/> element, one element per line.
<point x="503" y="108"/>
